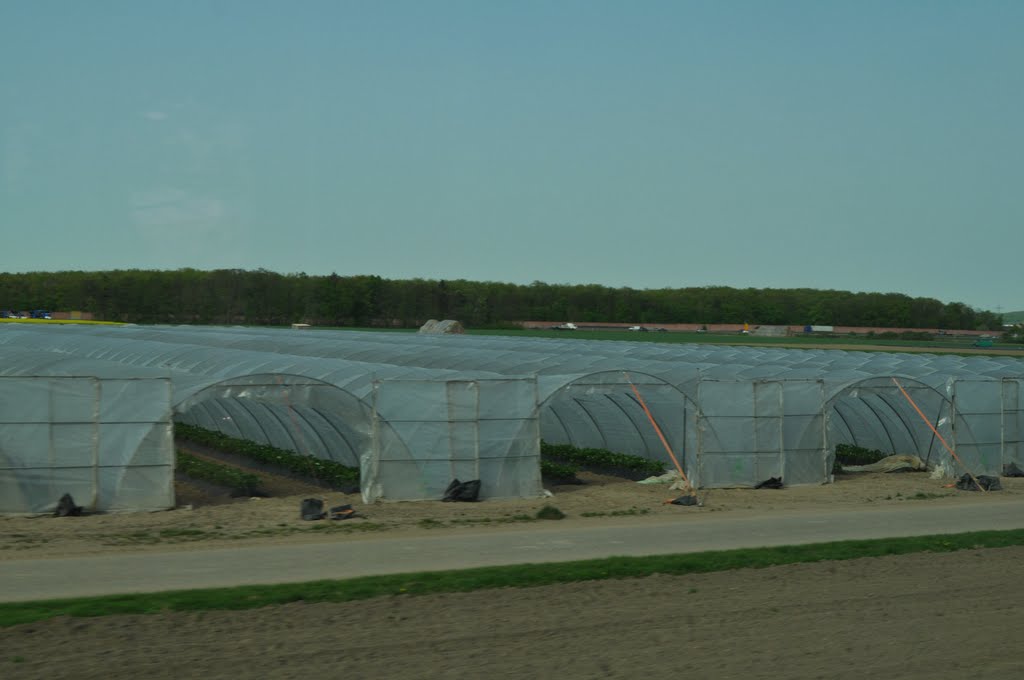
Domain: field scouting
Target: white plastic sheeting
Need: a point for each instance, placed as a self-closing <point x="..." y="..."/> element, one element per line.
<point x="734" y="415"/>
<point x="448" y="430"/>
<point x="752" y="431"/>
<point x="109" y="443"/>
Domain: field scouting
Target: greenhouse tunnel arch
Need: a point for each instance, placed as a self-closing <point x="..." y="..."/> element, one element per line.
<point x="291" y="412"/>
<point x="601" y="410"/>
<point x="873" y="413"/>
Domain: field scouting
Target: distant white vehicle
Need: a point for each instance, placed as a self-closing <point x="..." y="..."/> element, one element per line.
<point x="637" y="328"/>
<point x="565" y="327"/>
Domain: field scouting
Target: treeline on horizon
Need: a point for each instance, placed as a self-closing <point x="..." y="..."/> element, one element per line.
<point x="261" y="297"/>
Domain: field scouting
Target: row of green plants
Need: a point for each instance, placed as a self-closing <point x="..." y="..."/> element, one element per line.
<point x="557" y="471"/>
<point x="850" y="454"/>
<point x="326" y="471"/>
<point x="558" y="461"/>
<point x="568" y="456"/>
<point x="240" y="483"/>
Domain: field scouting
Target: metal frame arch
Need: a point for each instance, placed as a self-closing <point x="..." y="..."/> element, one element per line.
<point x="365" y="423"/>
<point x="577" y="377"/>
<point x="903" y="378"/>
<point x="947" y="404"/>
<point x="547" y="404"/>
<point x="221" y="382"/>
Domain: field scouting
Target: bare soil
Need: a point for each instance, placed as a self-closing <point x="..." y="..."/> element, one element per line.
<point x="939" y="617"/>
<point x="919" y="616"/>
<point x="213" y="519"/>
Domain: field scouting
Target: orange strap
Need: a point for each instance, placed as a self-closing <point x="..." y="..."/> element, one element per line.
<point x="664" y="442"/>
<point x="932" y="428"/>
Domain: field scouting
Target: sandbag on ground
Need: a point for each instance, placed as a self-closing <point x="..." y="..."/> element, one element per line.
<point x="889" y="464"/>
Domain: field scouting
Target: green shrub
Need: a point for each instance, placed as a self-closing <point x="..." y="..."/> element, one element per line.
<point x="327" y="471"/>
<point x="241" y="483"/>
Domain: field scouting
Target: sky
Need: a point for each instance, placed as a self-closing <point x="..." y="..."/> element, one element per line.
<point x="861" y="145"/>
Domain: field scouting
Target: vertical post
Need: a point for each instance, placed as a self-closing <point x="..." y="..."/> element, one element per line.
<point x="699" y="422"/>
<point x="96" y="410"/>
<point x="824" y="433"/>
<point x="476" y="430"/>
<point x="52" y="443"/>
<point x="368" y="483"/>
<point x="782" y="430"/>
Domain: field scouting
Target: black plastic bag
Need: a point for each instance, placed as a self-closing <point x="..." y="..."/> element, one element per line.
<point x="965" y="483"/>
<point x="688" y="499"/>
<point x="770" y="483"/>
<point x="462" y="491"/>
<point x="313" y="508"/>
<point x="1011" y="470"/>
<point x="66" y="507"/>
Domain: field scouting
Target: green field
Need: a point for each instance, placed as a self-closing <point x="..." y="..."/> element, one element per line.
<point x="945" y="344"/>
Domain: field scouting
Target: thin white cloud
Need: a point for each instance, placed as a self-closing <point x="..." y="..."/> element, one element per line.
<point x="167" y="217"/>
<point x="179" y="227"/>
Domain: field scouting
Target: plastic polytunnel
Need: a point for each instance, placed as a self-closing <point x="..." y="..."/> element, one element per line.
<point x="409" y="429"/>
<point x="70" y="426"/>
<point x="414" y="411"/>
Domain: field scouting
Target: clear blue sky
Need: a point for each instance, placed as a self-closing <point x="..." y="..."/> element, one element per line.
<point x="860" y="145"/>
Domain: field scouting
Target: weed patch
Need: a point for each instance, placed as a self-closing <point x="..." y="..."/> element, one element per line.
<point x="921" y="495"/>
<point x="550" y="512"/>
<point x="618" y="513"/>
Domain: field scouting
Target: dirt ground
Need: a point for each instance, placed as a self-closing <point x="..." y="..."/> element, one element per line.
<point x="204" y="519"/>
<point x="919" y="616"/>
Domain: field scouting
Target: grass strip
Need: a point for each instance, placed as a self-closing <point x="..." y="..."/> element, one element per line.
<point x="516" y="576"/>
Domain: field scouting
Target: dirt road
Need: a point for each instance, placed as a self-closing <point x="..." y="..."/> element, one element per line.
<point x="350" y="556"/>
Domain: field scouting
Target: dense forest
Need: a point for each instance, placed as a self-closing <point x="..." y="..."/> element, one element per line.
<point x="233" y="296"/>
